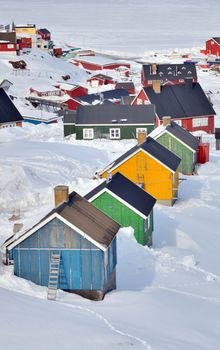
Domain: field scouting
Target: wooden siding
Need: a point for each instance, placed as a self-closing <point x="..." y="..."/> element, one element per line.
<point x="188" y="161"/>
<point x="102" y="131"/>
<point x="69" y="129"/>
<point x="83" y="265"/>
<point x="125" y="217"/>
<point x="157" y="179"/>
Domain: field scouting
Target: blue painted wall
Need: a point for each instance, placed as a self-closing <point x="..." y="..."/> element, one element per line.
<point x="83" y="265"/>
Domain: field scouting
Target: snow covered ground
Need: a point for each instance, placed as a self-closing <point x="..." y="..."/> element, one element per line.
<point x="167" y="297"/>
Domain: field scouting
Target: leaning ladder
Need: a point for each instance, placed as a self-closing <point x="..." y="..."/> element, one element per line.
<point x="53" y="276"/>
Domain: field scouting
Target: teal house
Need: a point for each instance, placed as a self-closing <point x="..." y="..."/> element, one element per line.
<point x="127" y="204"/>
<point x="179" y="141"/>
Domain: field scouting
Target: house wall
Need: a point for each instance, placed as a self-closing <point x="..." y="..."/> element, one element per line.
<point x="7" y="47"/>
<point x="125" y="217"/>
<point x="25" y="30"/>
<point x="79" y="91"/>
<point x="143" y="169"/>
<point x="69" y="129"/>
<point x="127" y="132"/>
<point x="84" y="265"/>
<point x="187" y="164"/>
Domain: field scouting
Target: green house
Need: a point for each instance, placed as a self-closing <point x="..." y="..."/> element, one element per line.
<point x="127" y="204"/>
<point x="180" y="142"/>
<point x="113" y="121"/>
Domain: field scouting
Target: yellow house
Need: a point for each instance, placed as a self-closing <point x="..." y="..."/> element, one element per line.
<point x="29" y="29"/>
<point x="151" y="166"/>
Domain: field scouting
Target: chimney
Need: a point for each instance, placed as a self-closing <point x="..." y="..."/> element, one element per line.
<point x="154" y="68"/>
<point x="141" y="137"/>
<point x="156" y="86"/>
<point x="61" y="194"/>
<point x="166" y="121"/>
<point x="17" y="227"/>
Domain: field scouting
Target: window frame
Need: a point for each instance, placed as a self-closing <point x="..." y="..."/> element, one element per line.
<point x="140" y="130"/>
<point x="114" y="137"/>
<point x="88" y="130"/>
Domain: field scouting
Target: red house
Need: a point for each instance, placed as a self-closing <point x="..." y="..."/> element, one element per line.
<point x="44" y="33"/>
<point x="8" y="42"/>
<point x="213" y="46"/>
<point x="186" y="104"/>
<point x="94" y="63"/>
<point x="168" y="74"/>
<point x="72" y="90"/>
<point x="99" y="80"/>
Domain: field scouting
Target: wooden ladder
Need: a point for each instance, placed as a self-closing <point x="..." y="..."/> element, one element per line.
<point x="53" y="276"/>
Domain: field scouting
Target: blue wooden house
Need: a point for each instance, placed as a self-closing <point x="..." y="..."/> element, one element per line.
<point x="78" y="238"/>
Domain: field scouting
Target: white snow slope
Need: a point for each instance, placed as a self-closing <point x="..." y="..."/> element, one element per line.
<point x="167" y="297"/>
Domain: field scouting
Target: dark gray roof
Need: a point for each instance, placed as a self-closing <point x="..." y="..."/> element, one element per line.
<point x="116" y="114"/>
<point x="155" y="149"/>
<point x="8" y="111"/>
<point x="128" y="192"/>
<point x="86" y="217"/>
<point x="183" y="135"/>
<point x="8" y="36"/>
<point x="105" y="95"/>
<point x="44" y="30"/>
<point x="180" y="101"/>
<point x="125" y="85"/>
<point x="171" y="72"/>
<point x="217" y="39"/>
<point x="68" y="116"/>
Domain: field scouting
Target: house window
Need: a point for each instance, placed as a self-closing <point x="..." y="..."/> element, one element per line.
<point x="10" y="46"/>
<point x="197" y="122"/>
<point x="140" y="130"/>
<point x="115" y="133"/>
<point x="139" y="101"/>
<point x="88" y="134"/>
<point x="179" y="122"/>
<point x="146" y="102"/>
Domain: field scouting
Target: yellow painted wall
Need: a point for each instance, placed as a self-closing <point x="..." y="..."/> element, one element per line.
<point x="25" y="30"/>
<point x="157" y="180"/>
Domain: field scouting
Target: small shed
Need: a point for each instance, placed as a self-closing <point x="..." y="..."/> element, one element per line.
<point x="44" y="33"/>
<point x="80" y="236"/>
<point x="127" y="204"/>
<point x="71" y="89"/>
<point x="151" y="166"/>
<point x="180" y="142"/>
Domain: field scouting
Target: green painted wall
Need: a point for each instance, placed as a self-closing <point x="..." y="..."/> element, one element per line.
<point x="127" y="131"/>
<point x="125" y="217"/>
<point x="187" y="164"/>
<point x="69" y="129"/>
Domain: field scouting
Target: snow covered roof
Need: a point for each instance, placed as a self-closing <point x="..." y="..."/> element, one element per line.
<point x="97" y="60"/>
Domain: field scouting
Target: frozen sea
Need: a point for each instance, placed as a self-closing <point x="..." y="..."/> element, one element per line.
<point x="124" y="26"/>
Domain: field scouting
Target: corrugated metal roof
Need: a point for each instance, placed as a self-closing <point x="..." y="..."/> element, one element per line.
<point x="115" y="114"/>
<point x="83" y="215"/>
<point x="128" y="192"/>
<point x="8" y="111"/>
<point x="180" y="101"/>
